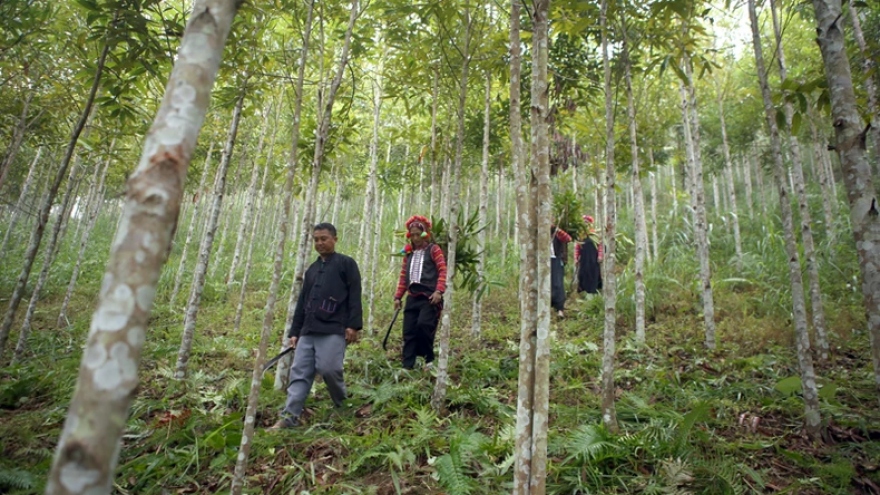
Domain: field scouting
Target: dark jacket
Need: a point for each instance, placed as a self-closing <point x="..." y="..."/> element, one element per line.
<point x="330" y="300"/>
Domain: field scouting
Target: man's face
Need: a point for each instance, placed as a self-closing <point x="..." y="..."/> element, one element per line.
<point x="325" y="242"/>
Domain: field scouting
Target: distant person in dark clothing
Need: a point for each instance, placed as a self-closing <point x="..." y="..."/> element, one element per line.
<point x="423" y="279"/>
<point x="558" y="257"/>
<point x="588" y="258"/>
<point x="328" y="316"/>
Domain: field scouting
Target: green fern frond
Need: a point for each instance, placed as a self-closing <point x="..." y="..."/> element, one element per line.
<point x="589" y="443"/>
<point x="15" y="479"/>
<point x="451" y="474"/>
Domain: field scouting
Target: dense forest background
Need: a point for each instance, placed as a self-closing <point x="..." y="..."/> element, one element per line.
<point x="736" y="346"/>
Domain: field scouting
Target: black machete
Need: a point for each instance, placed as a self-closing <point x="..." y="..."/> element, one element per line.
<point x="385" y="342"/>
<point x="277" y="358"/>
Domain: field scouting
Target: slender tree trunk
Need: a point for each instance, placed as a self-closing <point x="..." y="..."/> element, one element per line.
<point x="438" y="399"/>
<point x="821" y="172"/>
<point x="797" y="175"/>
<point x="483" y="219"/>
<point x="747" y="179"/>
<point x="655" y="244"/>
<point x="258" y="216"/>
<point x="197" y="203"/>
<point x="92" y="216"/>
<point x="435" y="167"/>
<point x="641" y="234"/>
<point x="17" y="137"/>
<point x="370" y="221"/>
<point x="37" y="235"/>
<point x="692" y="138"/>
<point x="226" y="215"/>
<point x="609" y="286"/>
<point x="525" y="230"/>
<point x="850" y="147"/>
<point x="322" y="135"/>
<point x="89" y="446"/>
<point x="731" y="188"/>
<point x="20" y="204"/>
<point x="249" y="201"/>
<point x="201" y="270"/>
<point x="282" y="368"/>
<point x="870" y="89"/>
<point x="813" y="422"/>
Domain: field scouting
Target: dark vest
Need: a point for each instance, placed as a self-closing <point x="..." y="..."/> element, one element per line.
<point x="430" y="275"/>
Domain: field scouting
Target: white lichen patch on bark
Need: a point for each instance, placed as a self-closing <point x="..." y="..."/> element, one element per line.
<point x="75" y="478"/>
<point x="117" y="307"/>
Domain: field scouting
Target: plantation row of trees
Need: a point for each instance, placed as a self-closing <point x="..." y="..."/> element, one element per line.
<point x="361" y="114"/>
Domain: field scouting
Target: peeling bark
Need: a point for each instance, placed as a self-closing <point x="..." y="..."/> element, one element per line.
<point x="89" y="446"/>
<point x="849" y="143"/>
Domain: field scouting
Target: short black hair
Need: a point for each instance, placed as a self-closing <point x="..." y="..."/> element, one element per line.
<point x="325" y="226"/>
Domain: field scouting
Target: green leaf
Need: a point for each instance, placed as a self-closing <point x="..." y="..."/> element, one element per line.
<point x="789" y="386"/>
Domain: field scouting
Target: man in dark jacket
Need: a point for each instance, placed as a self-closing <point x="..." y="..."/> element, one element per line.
<point x="328" y="316"/>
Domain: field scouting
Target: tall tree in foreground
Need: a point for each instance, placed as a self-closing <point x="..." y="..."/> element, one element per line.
<point x="864" y="212"/>
<point x="534" y="389"/>
<point x="108" y="377"/>
<point x="812" y="419"/>
<point x="609" y="284"/>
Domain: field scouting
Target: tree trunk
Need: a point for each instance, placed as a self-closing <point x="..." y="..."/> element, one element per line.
<point x="370" y="221"/>
<point x="17" y="137"/>
<point x="850" y="147"/>
<point x="321" y="140"/>
<point x="813" y="422"/>
<point x="195" y="219"/>
<point x="656" y="243"/>
<point x="641" y="234"/>
<point x="797" y="175"/>
<point x="692" y="139"/>
<point x="731" y="188"/>
<point x="89" y="446"/>
<point x="609" y="286"/>
<point x="20" y="204"/>
<point x="92" y="216"/>
<point x="483" y="218"/>
<point x="201" y="270"/>
<point x="870" y="89"/>
<point x="822" y="173"/>
<point x="231" y="209"/>
<point x="249" y="201"/>
<point x="438" y="398"/>
<point x="747" y="179"/>
<point x="37" y="235"/>
<point x="435" y="168"/>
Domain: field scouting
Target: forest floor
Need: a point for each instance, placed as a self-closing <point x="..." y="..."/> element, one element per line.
<point x="692" y="420"/>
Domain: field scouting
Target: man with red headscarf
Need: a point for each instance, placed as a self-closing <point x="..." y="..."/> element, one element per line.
<point x="423" y="279"/>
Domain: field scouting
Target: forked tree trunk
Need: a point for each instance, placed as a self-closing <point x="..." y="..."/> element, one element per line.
<point x="638" y="198"/>
<point x="92" y="216"/>
<point x="249" y="201"/>
<point x="322" y="136"/>
<point x="193" y="223"/>
<point x="483" y="215"/>
<point x="108" y="378"/>
<point x="20" y="204"/>
<point x="797" y="175"/>
<point x="438" y="398"/>
<point x="812" y="418"/>
<point x="201" y="271"/>
<point x="731" y="187"/>
<point x="849" y="143"/>
<point x="45" y="209"/>
<point x="609" y="285"/>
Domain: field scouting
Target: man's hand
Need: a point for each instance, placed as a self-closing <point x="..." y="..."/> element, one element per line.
<point x="351" y="335"/>
<point x="291" y="342"/>
<point x="396" y="304"/>
<point x="436" y="297"/>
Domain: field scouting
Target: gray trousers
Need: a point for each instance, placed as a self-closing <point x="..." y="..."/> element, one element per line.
<point x="315" y="354"/>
